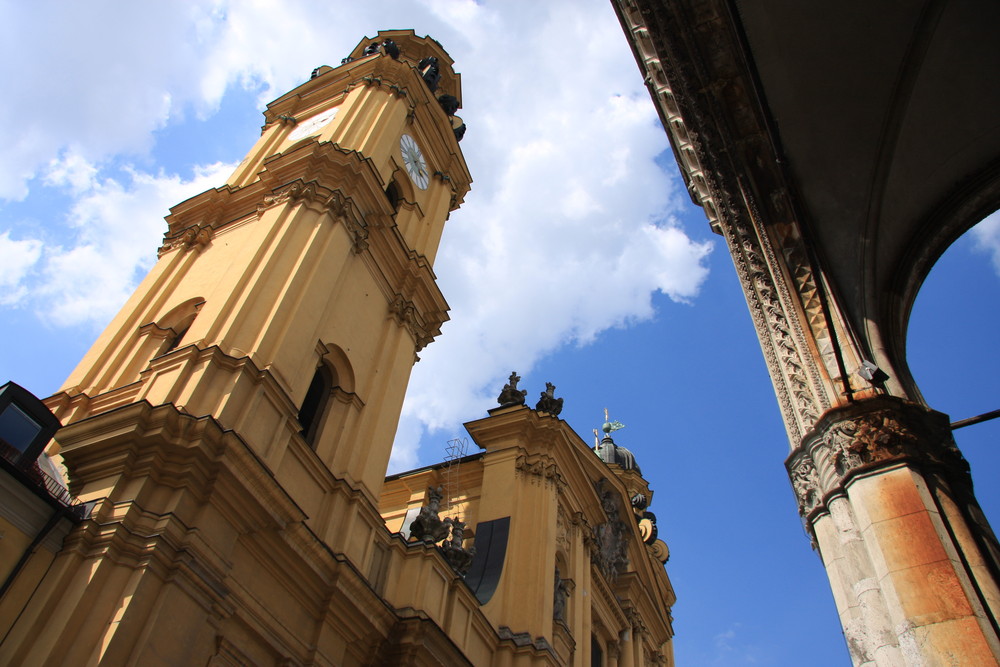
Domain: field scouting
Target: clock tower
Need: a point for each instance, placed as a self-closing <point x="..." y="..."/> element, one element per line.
<point x="232" y="426"/>
<point x="290" y="304"/>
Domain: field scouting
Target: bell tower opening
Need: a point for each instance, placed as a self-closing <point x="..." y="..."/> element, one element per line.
<point x="315" y="403"/>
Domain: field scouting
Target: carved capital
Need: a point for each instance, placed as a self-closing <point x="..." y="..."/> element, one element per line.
<point x="635" y="620"/>
<point x="589" y="541"/>
<point x="867" y="435"/>
<point x="805" y="482"/>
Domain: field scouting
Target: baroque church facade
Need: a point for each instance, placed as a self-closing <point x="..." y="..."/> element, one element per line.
<point x="226" y="439"/>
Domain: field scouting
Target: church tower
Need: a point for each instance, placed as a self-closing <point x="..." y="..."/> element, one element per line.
<point x="290" y="303"/>
<point x="233" y="423"/>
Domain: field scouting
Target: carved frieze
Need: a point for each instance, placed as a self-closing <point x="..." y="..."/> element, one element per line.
<point x="798" y="382"/>
<point x="864" y="435"/>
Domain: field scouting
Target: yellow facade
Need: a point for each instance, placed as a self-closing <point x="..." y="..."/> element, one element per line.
<point x="233" y="424"/>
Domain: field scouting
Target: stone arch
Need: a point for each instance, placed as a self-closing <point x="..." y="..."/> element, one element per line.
<point x="962" y="210"/>
<point x="177" y="321"/>
<point x="337" y="359"/>
<point x="402" y="190"/>
<point x="329" y="401"/>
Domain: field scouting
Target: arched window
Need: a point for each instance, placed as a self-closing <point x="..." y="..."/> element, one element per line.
<point x="177" y="322"/>
<point x="315" y="402"/>
<point x="393" y="194"/>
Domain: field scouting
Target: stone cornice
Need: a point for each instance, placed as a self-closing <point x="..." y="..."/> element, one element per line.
<point x="405" y="277"/>
<point x="401" y="79"/>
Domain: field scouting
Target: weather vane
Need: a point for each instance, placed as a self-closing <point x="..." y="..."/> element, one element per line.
<point x="610" y="427"/>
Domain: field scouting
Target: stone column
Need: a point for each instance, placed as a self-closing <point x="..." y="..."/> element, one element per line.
<point x="613" y="654"/>
<point x="887" y="498"/>
<point x="626" y="654"/>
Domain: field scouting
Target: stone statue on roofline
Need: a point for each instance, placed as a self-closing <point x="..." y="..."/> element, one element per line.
<point x="511" y="395"/>
<point x="548" y="402"/>
<point x="457" y="556"/>
<point x="428" y="527"/>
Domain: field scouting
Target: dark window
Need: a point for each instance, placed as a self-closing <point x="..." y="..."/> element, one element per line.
<point x="393" y="194"/>
<point x="596" y="654"/>
<point x="315" y="401"/>
<point x="491" y="551"/>
<point x="176" y="340"/>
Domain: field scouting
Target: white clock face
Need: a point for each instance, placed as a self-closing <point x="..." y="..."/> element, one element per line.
<point x="313" y="125"/>
<point x="413" y="160"/>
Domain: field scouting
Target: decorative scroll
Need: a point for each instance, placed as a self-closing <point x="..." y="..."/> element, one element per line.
<point x="405" y="313"/>
<point x="660" y="551"/>
<point x="196" y="236"/>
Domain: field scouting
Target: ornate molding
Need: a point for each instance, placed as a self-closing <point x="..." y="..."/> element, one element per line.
<point x="337" y="205"/>
<point x="195" y="236"/>
<point x="865" y="436"/>
<point x="796" y="378"/>
<point x="405" y="313"/>
<point x="540" y="467"/>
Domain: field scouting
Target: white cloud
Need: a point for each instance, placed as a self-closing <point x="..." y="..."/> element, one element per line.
<point x="16" y="259"/>
<point x="987" y="237"/>
<point x="94" y="77"/>
<point x="568" y="230"/>
<point x="118" y="225"/>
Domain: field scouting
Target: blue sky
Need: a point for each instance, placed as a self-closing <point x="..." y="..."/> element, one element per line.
<point x="577" y="259"/>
